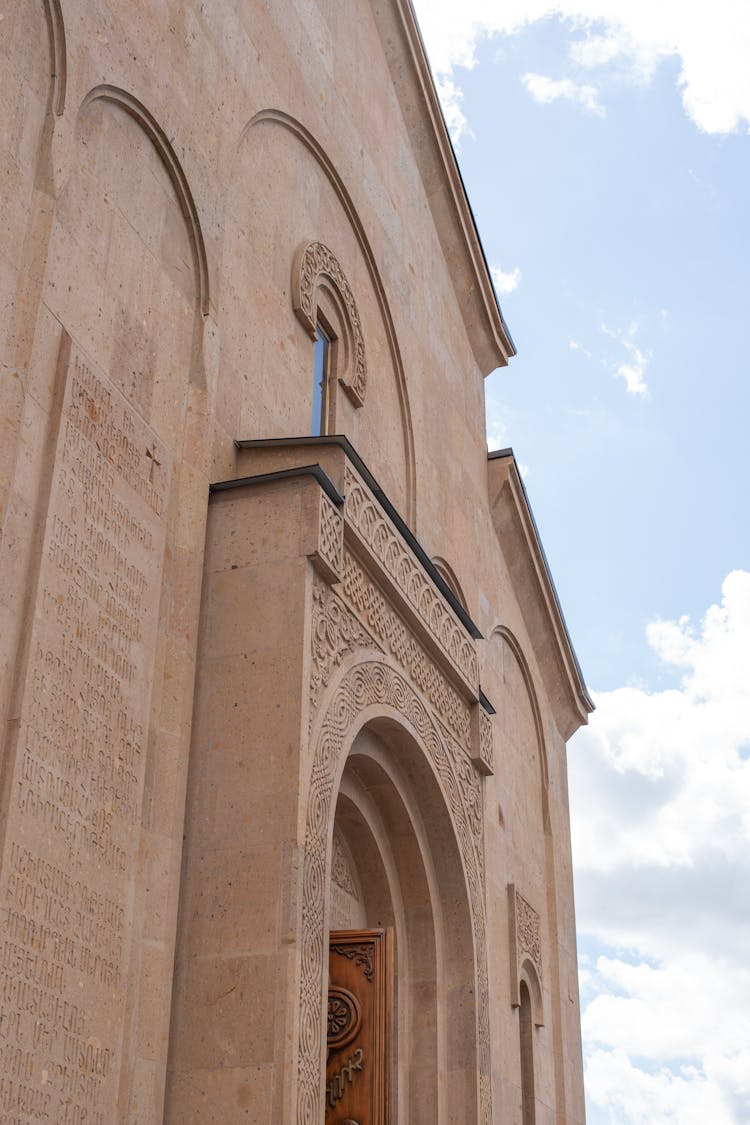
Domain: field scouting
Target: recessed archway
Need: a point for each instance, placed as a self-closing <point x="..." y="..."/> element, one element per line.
<point x="395" y="827"/>
<point x="383" y="781"/>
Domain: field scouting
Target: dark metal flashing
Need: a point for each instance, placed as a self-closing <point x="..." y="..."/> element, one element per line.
<point x="401" y="526"/>
<point x="503" y="454"/>
<point x="487" y="706"/>
<point x="315" y="471"/>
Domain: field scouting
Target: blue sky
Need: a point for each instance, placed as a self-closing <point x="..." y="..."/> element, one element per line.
<point x="606" y="154"/>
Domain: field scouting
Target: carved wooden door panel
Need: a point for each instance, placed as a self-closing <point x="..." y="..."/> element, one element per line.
<point x="360" y="1013"/>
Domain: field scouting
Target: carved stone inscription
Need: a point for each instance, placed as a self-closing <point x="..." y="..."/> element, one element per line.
<point x="70" y="858"/>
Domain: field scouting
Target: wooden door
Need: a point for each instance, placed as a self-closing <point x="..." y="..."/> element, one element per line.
<point x="360" y="1015"/>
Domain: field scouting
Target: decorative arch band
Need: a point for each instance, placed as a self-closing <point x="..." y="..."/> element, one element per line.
<point x="314" y="263"/>
<point x="376" y="682"/>
<point x="169" y="159"/>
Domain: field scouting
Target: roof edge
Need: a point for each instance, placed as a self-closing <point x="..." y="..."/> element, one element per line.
<point x="577" y="684"/>
<point x="456" y="226"/>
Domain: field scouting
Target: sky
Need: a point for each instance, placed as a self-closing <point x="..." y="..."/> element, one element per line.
<point x="605" y="148"/>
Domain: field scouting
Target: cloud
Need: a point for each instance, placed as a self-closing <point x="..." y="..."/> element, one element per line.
<point x="545" y="90"/>
<point x="505" y="282"/>
<point x="633" y="370"/>
<point x="660" y="804"/>
<point x="575" y="346"/>
<point x="711" y="49"/>
<point x="451" y="97"/>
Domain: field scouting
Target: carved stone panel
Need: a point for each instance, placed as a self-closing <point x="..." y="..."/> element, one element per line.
<point x="482" y="740"/>
<point x="328" y="555"/>
<point x="395" y="637"/>
<point x="525" y="949"/>
<point x="411" y="584"/>
<point x="313" y="263"/>
<point x="71" y="853"/>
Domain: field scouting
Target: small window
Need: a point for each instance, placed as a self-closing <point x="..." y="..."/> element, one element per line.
<point x="320" y="379"/>
<point x="526" y="1028"/>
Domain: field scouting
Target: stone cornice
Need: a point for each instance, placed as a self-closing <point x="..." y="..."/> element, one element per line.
<point x="412" y="78"/>
<point x="536" y="594"/>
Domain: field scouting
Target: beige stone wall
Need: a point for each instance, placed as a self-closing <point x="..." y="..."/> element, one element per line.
<point x="161" y="166"/>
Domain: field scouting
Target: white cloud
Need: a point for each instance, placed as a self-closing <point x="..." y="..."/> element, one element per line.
<point x="576" y="346"/>
<point x="546" y="90"/>
<point x="633" y="370"/>
<point x="712" y="45"/>
<point x="505" y="282"/>
<point x="496" y="423"/>
<point x="632" y="1096"/>
<point x="660" y="801"/>
<point x="450" y="99"/>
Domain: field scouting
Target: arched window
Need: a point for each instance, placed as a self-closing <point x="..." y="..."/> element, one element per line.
<point x="526" y="1032"/>
<point x="321" y="366"/>
<point x="324" y="303"/>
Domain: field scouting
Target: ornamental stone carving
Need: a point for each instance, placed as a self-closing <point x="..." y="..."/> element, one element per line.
<point x="482" y="740"/>
<point x="528" y="931"/>
<point x="341" y="872"/>
<point x="369" y="603"/>
<point x="313" y="264"/>
<point x="525" y="950"/>
<point x="366" y="518"/>
<point x="336" y="633"/>
<point x="329" y="551"/>
<point x="366" y="684"/>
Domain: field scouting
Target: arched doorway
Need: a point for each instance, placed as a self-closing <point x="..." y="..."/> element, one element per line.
<point x="397" y="860"/>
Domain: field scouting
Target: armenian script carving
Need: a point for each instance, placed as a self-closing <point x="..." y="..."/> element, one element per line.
<point x="314" y="262"/>
<point x="368" y="683"/>
<point x="365" y="516"/>
<point x="72" y="839"/>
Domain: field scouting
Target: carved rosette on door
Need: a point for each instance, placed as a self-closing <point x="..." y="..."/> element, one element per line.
<point x="359" y="1028"/>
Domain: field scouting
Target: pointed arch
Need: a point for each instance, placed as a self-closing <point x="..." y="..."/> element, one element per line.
<point x="513" y="644"/>
<point x="447" y="572"/>
<point x="278" y="117"/>
<point x="168" y="156"/>
<point x="58" y="54"/>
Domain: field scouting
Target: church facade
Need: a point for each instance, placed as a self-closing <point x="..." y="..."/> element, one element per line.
<point x="285" y="683"/>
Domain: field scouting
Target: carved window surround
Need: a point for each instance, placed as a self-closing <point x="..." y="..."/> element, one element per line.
<point x="319" y="284"/>
<point x="525" y="932"/>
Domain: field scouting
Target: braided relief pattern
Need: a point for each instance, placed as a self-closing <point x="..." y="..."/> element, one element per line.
<point x="368" y="684"/>
<point x="336" y="633"/>
<point x="330" y="534"/>
<point x="363" y="595"/>
<point x="317" y="261"/>
<point x="486" y="739"/>
<point x="365" y="515"/>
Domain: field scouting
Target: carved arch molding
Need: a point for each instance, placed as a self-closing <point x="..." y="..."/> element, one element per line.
<point x="314" y="264"/>
<point x="366" y="654"/>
